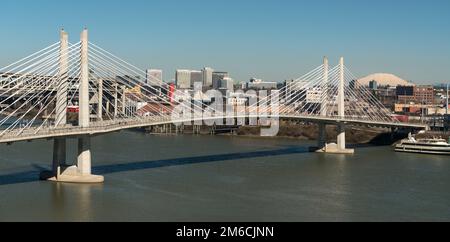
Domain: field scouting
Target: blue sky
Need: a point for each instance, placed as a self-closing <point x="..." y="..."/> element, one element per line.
<point x="270" y="39"/>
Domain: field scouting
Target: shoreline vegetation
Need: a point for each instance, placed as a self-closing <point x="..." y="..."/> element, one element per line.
<point x="309" y="132"/>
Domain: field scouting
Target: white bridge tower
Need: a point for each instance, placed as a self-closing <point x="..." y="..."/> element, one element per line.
<point x="82" y="171"/>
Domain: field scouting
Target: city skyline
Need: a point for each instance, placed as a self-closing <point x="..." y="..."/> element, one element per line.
<point x="263" y="39"/>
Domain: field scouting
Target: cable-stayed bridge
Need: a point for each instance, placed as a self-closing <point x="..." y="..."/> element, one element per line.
<point x="79" y="90"/>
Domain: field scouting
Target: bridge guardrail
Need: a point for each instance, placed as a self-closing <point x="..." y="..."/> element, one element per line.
<point x="112" y="125"/>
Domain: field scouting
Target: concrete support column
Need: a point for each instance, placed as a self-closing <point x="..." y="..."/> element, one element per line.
<point x="322" y="140"/>
<point x="341" y="136"/>
<point x="59" y="154"/>
<point x="84" y="115"/>
<point x="84" y="155"/>
<point x="100" y="100"/>
<point x="61" y="89"/>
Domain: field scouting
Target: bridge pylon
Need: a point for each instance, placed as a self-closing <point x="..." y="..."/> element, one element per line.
<point x="322" y="139"/>
<point x="82" y="172"/>
<point x="340" y="146"/>
<point x="59" y="145"/>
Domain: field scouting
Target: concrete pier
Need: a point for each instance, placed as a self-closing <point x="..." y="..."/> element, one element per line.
<point x="341" y="136"/>
<point x="80" y="173"/>
<point x="84" y="155"/>
<point x="59" y="154"/>
<point x="322" y="140"/>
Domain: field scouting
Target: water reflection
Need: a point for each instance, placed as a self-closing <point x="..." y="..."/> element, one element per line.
<point x="74" y="201"/>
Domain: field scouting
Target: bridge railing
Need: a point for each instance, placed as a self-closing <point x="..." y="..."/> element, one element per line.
<point x="127" y="123"/>
<point x="96" y="126"/>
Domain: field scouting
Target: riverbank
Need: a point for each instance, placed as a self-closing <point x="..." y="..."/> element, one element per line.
<point x="354" y="134"/>
<point x="434" y="134"/>
<point x="301" y="131"/>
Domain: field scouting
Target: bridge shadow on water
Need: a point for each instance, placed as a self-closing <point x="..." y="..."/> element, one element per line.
<point x="32" y="176"/>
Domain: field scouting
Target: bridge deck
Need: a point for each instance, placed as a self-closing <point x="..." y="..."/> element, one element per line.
<point x="103" y="127"/>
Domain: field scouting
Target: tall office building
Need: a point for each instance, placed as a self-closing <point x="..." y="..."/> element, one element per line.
<point x="183" y="79"/>
<point x="154" y="77"/>
<point x="227" y="83"/>
<point x="217" y="78"/>
<point x="196" y="77"/>
<point x="207" y="77"/>
<point x="373" y="85"/>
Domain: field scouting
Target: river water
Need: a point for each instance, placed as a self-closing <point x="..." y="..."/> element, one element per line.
<point x="212" y="178"/>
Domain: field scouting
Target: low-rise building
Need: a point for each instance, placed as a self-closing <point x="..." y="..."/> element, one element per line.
<point x="387" y="96"/>
<point x="258" y="84"/>
<point x="416" y="94"/>
<point x="419" y="109"/>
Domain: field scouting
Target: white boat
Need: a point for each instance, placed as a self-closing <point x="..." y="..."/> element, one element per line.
<point x="424" y="146"/>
